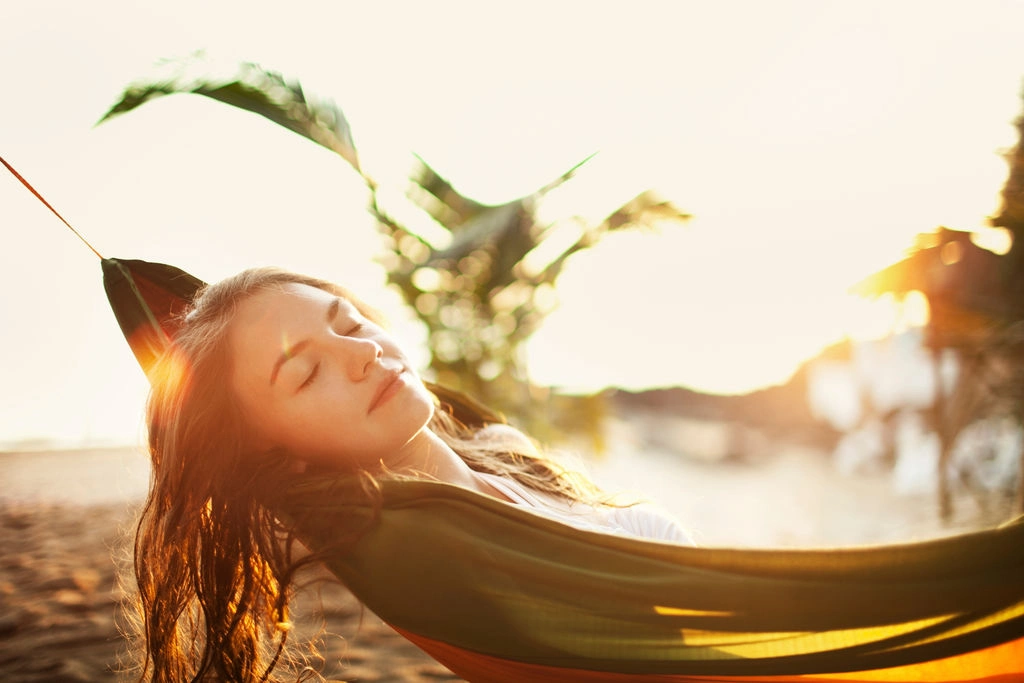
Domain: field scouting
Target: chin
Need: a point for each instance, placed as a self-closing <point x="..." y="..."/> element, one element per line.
<point x="422" y="406"/>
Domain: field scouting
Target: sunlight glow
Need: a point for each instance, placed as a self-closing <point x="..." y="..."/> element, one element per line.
<point x="996" y="240"/>
<point x="916" y="311"/>
<point x="806" y="164"/>
<point x="765" y="315"/>
<point x="173" y="373"/>
<point x="686" y="612"/>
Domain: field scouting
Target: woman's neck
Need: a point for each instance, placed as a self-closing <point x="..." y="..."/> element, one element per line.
<point x="427" y="455"/>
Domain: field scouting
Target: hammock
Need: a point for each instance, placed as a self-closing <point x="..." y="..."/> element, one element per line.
<point x="497" y="593"/>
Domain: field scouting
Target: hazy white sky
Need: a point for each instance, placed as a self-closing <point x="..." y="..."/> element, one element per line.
<point x="811" y="140"/>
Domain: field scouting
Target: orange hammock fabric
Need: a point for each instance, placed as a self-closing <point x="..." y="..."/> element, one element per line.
<point x="966" y="668"/>
<point x="497" y="593"/>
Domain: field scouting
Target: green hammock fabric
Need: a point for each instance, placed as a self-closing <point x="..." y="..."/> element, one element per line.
<point x="495" y="579"/>
<point x="498" y="593"/>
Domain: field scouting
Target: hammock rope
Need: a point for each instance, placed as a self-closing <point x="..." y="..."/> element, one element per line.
<point x="47" y="204"/>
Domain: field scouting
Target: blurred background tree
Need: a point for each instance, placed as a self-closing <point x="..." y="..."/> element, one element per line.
<point x="481" y="278"/>
<point x="976" y="312"/>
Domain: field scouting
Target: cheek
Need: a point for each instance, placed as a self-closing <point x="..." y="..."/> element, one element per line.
<point x="308" y="430"/>
<point x="273" y="426"/>
<point x="322" y="431"/>
<point x="331" y="431"/>
<point x="253" y="419"/>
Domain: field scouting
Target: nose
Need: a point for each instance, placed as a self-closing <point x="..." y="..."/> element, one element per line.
<point x="359" y="356"/>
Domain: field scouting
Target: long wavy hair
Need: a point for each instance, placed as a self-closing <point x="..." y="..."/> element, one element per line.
<point x="213" y="564"/>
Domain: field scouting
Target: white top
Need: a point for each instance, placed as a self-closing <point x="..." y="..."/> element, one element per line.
<point x="640" y="521"/>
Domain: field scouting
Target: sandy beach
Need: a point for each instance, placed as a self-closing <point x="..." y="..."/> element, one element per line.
<point x="66" y="517"/>
<point x="66" y="520"/>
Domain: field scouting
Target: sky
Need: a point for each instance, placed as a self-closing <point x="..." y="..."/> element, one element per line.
<point x="810" y="140"/>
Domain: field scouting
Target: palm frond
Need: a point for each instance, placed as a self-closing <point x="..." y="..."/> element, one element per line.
<point x="434" y="194"/>
<point x="439" y="198"/>
<point x="647" y="209"/>
<point x="252" y="88"/>
<point x="487" y="227"/>
<point x="564" y="177"/>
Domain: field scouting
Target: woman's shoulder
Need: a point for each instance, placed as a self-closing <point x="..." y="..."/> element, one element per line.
<point x="506" y="437"/>
<point x="648" y="521"/>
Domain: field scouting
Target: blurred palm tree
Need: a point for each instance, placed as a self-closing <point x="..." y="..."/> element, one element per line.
<point x="481" y="288"/>
<point x="976" y="302"/>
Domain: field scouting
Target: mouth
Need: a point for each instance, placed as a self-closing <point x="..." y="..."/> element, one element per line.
<point x="390" y="386"/>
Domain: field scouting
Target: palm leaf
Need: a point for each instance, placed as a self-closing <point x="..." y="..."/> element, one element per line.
<point x="646" y="210"/>
<point x="434" y="194"/>
<point x="438" y="197"/>
<point x="253" y="89"/>
<point x="487" y="227"/>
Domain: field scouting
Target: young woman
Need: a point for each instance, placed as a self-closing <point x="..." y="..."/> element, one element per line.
<point x="273" y="375"/>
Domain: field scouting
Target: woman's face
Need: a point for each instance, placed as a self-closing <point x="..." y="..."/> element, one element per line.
<point x="321" y="381"/>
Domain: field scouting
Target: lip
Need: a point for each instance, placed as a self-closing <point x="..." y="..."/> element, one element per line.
<point x="389" y="386"/>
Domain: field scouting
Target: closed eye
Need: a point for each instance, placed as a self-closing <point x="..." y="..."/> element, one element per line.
<point x="337" y="317"/>
<point x="311" y="378"/>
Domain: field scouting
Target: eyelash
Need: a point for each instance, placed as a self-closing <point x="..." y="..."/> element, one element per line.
<point x="316" y="368"/>
<point x="311" y="378"/>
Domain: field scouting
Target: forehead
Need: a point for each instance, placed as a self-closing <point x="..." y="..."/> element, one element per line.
<point x="289" y="302"/>
<point x="268" y="321"/>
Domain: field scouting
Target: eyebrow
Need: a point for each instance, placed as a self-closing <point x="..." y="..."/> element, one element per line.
<point x="295" y="349"/>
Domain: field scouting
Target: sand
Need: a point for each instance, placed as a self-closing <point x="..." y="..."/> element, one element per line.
<point x="65" y="520"/>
